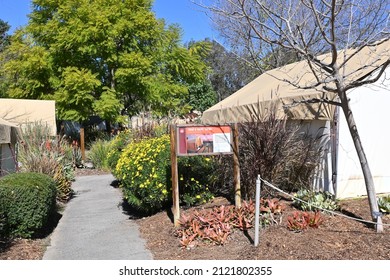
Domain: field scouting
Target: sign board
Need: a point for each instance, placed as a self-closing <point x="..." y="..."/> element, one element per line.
<point x="204" y="140"/>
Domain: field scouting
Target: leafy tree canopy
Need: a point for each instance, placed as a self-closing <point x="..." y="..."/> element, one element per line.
<point x="101" y="57"/>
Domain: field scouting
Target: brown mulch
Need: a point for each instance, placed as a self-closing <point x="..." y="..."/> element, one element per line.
<point x="337" y="238"/>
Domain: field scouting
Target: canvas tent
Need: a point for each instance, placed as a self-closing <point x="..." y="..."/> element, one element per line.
<point x="9" y="134"/>
<point x="14" y="114"/>
<point x="290" y="86"/>
<point x="24" y="111"/>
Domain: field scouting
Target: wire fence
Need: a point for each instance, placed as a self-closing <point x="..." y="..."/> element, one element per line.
<point x="324" y="210"/>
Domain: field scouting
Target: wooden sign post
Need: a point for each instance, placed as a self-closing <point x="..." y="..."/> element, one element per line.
<point x="196" y="140"/>
<point x="82" y="144"/>
<point x="236" y="168"/>
<point x="175" y="177"/>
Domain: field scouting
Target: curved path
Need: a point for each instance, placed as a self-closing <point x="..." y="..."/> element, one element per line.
<point x="94" y="227"/>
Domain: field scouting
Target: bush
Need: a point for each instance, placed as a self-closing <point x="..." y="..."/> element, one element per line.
<point x="28" y="201"/>
<point x="274" y="149"/>
<point x="315" y="201"/>
<point x="384" y="204"/>
<point x="116" y="148"/>
<point x="98" y="154"/>
<point x="144" y="170"/>
<point x="196" y="179"/>
<point x="40" y="153"/>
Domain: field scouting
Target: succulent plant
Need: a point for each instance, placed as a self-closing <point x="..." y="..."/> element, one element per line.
<point x="314" y="201"/>
<point x="384" y="204"/>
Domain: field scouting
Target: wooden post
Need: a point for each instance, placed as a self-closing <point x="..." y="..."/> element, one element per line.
<point x="175" y="179"/>
<point x="236" y="168"/>
<point x="82" y="144"/>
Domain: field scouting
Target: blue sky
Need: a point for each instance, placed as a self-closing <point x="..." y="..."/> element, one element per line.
<point x="195" y="23"/>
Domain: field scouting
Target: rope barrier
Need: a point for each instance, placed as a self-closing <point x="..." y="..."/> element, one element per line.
<point x="325" y="210"/>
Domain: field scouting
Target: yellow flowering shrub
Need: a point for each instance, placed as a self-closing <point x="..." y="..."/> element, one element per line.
<point x="143" y="169"/>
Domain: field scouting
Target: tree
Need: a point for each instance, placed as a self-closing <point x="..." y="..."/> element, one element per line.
<point x="4" y="37"/>
<point x="229" y="71"/>
<point x="309" y="28"/>
<point x="99" y="57"/>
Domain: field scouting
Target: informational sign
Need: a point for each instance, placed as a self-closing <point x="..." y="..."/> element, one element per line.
<point x="204" y="140"/>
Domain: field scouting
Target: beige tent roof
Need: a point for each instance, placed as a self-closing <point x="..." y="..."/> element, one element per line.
<point x="22" y="111"/>
<point x="283" y="87"/>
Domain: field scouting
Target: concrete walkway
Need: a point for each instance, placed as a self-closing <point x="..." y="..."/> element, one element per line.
<point x="94" y="227"/>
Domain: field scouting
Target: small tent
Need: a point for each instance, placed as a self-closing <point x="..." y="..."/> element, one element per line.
<point x="291" y="86"/>
<point x="9" y="134"/>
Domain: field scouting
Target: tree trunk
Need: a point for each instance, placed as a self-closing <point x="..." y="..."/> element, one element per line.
<point x="375" y="214"/>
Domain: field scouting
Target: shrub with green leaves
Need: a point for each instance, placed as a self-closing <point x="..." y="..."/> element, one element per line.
<point x="116" y="147"/>
<point x="384" y="204"/>
<point x="28" y="201"/>
<point x="196" y="175"/>
<point x="314" y="201"/>
<point x="144" y="170"/>
<point x="98" y="154"/>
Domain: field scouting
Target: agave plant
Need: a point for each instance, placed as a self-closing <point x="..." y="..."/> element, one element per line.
<point x="384" y="204"/>
<point x="314" y="201"/>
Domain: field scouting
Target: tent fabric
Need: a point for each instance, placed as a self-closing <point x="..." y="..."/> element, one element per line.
<point x="289" y="86"/>
<point x="23" y="111"/>
<point x="9" y="132"/>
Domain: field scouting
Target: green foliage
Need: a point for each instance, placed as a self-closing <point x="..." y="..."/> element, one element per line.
<point x="41" y="153"/>
<point x="116" y="147"/>
<point x="98" y="154"/>
<point x="143" y="170"/>
<point x="4" y="37"/>
<point x="315" y="201"/>
<point x="145" y="173"/>
<point x="300" y="221"/>
<point x="101" y="58"/>
<point x="74" y="95"/>
<point x="28" y="202"/>
<point x="196" y="174"/>
<point x="384" y="204"/>
<point x="201" y="96"/>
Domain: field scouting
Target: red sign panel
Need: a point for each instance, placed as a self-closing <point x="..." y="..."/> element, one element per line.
<point x="204" y="140"/>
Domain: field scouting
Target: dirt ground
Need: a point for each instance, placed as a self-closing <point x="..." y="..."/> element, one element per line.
<point x="337" y="238"/>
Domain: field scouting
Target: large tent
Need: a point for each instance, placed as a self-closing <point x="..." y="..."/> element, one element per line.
<point x="289" y="89"/>
<point x="9" y="134"/>
<point x="14" y="114"/>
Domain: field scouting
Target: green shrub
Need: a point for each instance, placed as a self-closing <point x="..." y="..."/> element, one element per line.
<point x="116" y="147"/>
<point x="315" y="201"/>
<point x="98" y="154"/>
<point x="144" y="170"/>
<point x="2" y="221"/>
<point x="384" y="204"/>
<point x="28" y="201"/>
<point x="196" y="175"/>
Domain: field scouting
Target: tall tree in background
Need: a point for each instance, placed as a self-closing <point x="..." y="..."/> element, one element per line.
<point x="307" y="28"/>
<point x="99" y="57"/>
<point x="4" y="41"/>
<point x="229" y="71"/>
<point x="4" y="37"/>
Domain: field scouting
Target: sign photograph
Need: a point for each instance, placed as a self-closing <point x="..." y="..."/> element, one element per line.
<point x="206" y="140"/>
